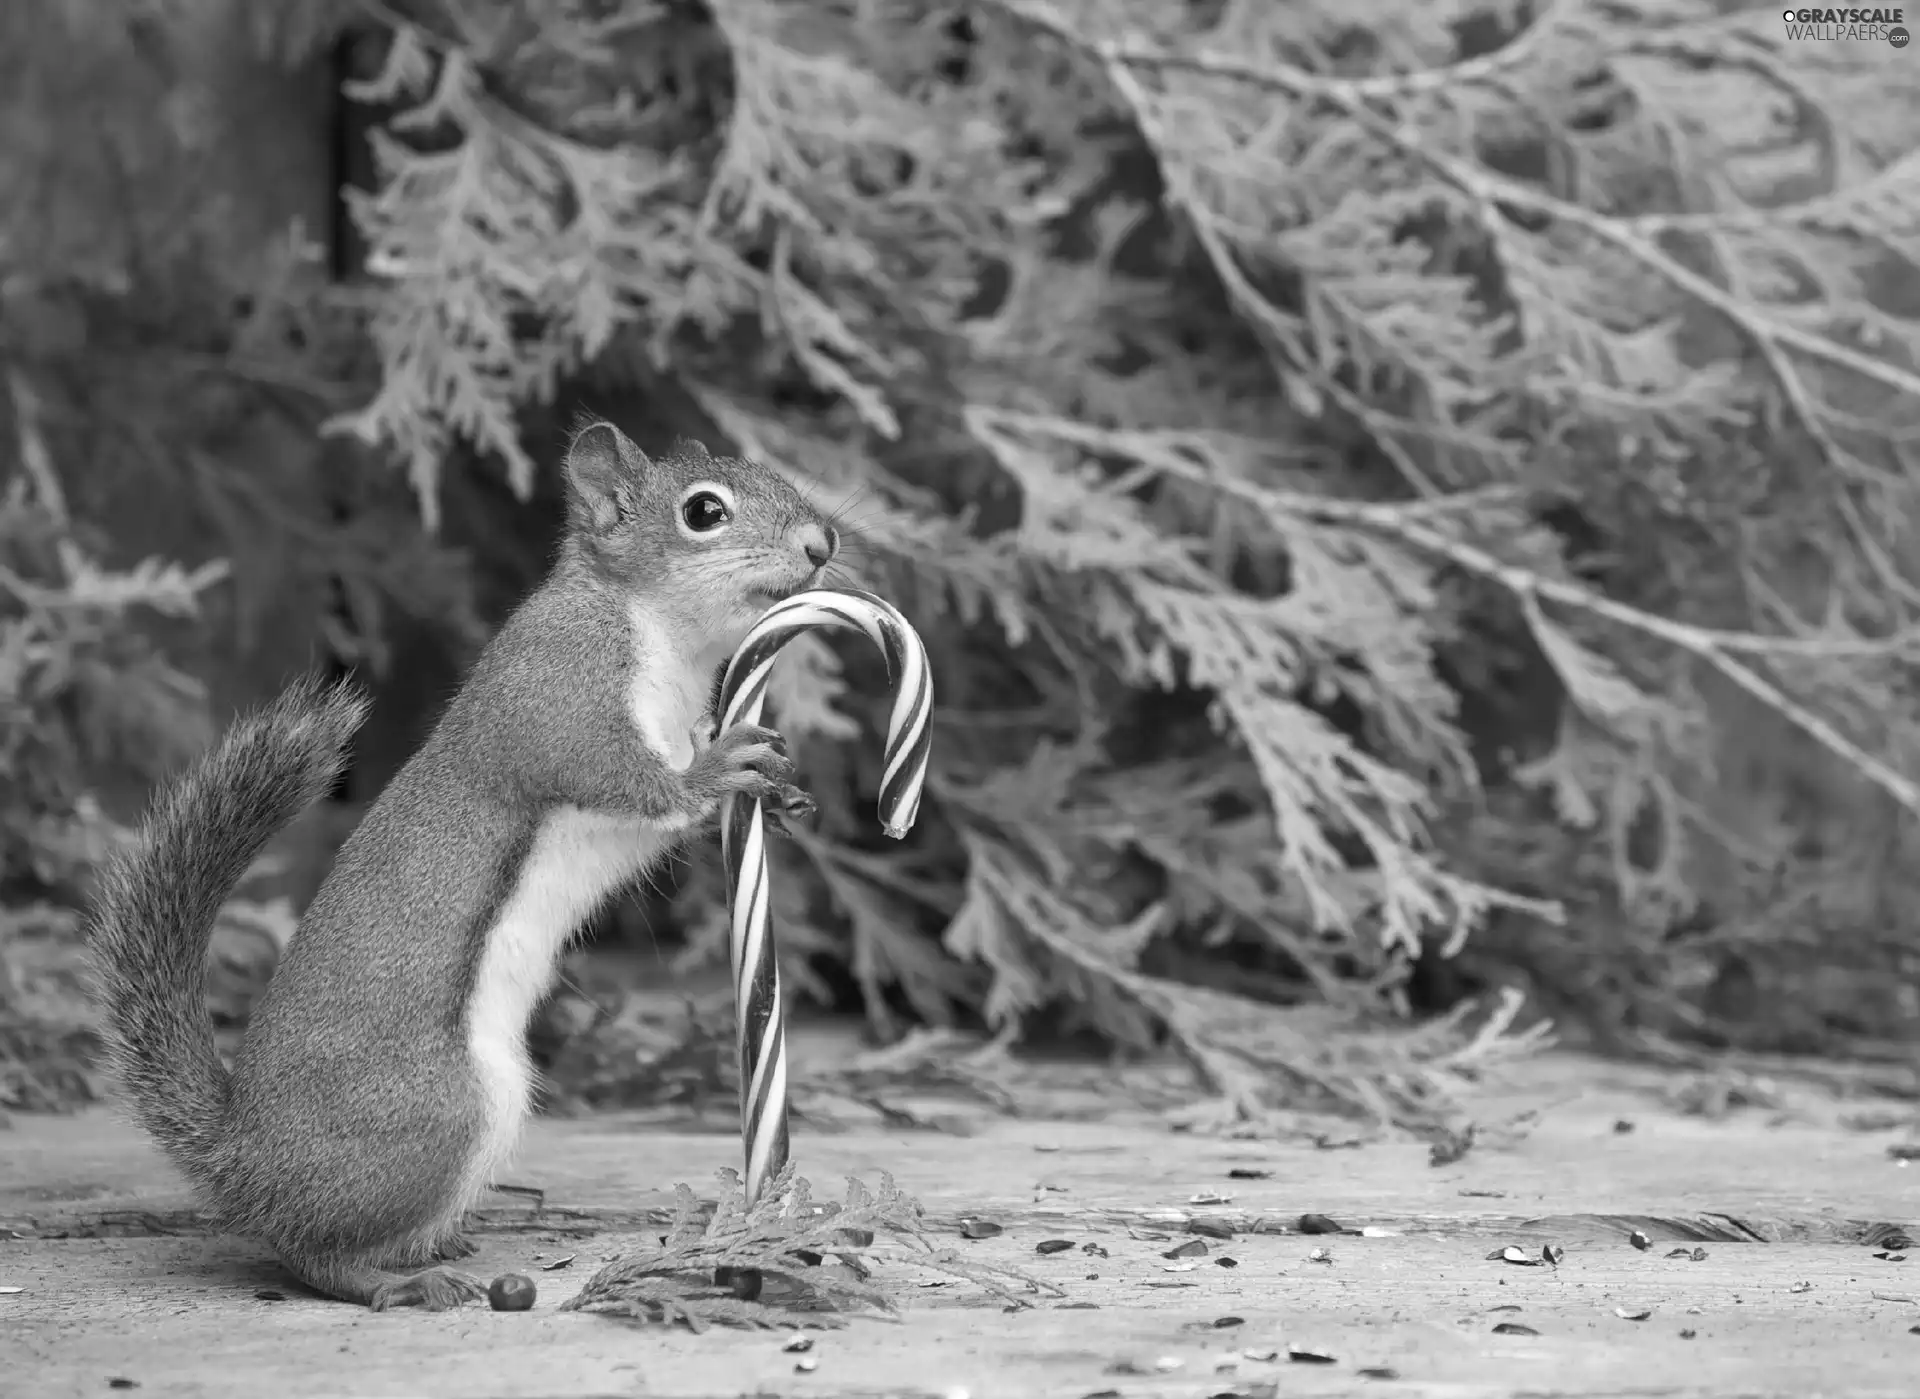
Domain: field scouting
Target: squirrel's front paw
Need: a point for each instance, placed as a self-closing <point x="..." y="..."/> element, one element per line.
<point x="747" y="760"/>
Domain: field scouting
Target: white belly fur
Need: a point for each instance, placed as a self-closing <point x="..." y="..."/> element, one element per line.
<point x="578" y="859"/>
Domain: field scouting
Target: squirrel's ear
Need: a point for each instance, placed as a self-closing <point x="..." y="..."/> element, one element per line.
<point x="600" y="476"/>
<point x="691" y="449"/>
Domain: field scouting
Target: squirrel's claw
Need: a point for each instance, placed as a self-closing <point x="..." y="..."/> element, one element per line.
<point x="792" y="804"/>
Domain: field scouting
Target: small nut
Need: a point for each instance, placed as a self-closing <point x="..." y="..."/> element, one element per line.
<point x="511" y="1292"/>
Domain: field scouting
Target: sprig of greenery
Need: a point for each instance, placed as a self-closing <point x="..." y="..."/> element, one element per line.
<point x="778" y="1248"/>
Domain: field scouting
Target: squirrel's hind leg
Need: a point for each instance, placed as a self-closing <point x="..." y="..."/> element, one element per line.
<point x="357" y="1280"/>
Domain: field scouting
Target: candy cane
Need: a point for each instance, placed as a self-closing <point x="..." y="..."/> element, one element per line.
<point x="743" y="837"/>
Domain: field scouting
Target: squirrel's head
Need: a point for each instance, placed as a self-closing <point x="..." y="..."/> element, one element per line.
<point x="710" y="541"/>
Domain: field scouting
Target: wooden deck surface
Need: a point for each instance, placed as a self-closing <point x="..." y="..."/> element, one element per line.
<point x="138" y="1291"/>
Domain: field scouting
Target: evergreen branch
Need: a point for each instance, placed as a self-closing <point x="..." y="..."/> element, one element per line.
<point x="1843" y="464"/>
<point x="1066" y="934"/>
<point x="1283" y="337"/>
<point x="1486" y="67"/>
<point x="1899" y="176"/>
<point x="1717" y="647"/>
<point x="1705" y="643"/>
<point x="1177" y="452"/>
<point x="1714" y="646"/>
<point x="1489" y="190"/>
<point x="1237" y="1046"/>
<point x="1351" y="610"/>
<point x="1295" y="365"/>
<point x="1239" y="894"/>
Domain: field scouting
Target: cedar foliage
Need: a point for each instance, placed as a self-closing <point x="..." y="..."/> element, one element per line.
<point x="1371" y="477"/>
<point x="760" y="1265"/>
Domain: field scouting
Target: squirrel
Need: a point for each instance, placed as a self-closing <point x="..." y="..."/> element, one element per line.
<point x="384" y="1075"/>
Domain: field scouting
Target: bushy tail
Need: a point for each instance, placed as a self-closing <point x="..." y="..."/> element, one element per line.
<point x="154" y="909"/>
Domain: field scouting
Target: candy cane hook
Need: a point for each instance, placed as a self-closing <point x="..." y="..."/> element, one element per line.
<point x="743" y="837"/>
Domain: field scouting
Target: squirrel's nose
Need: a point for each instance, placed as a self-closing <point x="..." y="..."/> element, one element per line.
<point x="821" y="542"/>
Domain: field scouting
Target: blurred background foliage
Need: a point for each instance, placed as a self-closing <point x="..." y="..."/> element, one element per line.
<point x="1412" y="502"/>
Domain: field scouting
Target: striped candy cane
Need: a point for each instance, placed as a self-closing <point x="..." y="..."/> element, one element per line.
<point x="743" y="837"/>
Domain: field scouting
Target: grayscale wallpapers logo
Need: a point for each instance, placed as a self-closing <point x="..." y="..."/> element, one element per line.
<point x="1828" y="25"/>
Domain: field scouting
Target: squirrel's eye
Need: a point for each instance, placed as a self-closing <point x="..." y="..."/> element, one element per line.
<point x="704" y="511"/>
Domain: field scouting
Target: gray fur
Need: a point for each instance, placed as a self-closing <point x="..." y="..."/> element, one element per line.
<point x="353" y="1113"/>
